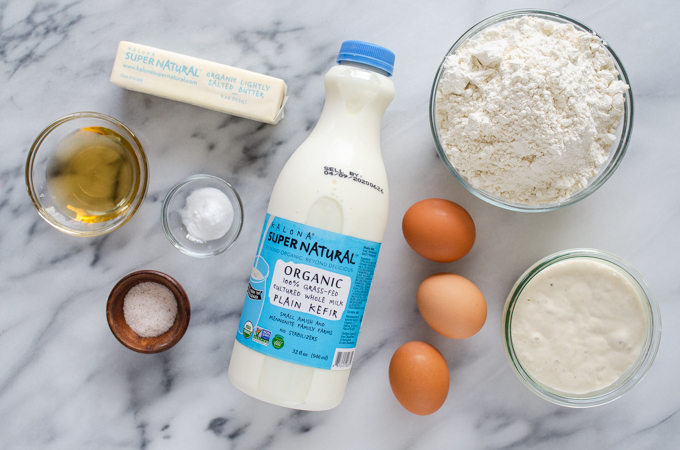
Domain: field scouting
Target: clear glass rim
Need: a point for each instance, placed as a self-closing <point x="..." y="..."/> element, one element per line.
<point x="628" y="379"/>
<point x="143" y="175"/>
<point x="165" y="213"/>
<point x="615" y="155"/>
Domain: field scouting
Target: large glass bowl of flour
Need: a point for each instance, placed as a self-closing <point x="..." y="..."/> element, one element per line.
<point x="531" y="110"/>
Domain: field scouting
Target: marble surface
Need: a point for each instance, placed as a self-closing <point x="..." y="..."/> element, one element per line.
<point x="66" y="383"/>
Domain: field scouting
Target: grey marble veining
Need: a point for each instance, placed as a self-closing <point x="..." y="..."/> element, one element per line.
<point x="66" y="383"/>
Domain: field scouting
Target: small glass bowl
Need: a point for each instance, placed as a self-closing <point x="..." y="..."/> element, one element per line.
<point x="629" y="378"/>
<point x="177" y="232"/>
<point x="617" y="150"/>
<point x="39" y="159"/>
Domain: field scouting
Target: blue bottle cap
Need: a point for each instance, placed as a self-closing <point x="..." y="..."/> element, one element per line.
<point x="367" y="53"/>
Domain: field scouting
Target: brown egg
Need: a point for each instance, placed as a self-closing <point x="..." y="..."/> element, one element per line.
<point x="452" y="305"/>
<point x="439" y="230"/>
<point x="419" y="377"/>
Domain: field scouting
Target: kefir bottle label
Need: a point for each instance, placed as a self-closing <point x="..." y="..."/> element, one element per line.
<point x="307" y="293"/>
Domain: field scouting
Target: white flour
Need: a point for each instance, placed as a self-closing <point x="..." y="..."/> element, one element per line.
<point x="528" y="110"/>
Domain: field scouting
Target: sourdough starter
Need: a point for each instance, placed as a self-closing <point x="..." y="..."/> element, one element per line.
<point x="578" y="325"/>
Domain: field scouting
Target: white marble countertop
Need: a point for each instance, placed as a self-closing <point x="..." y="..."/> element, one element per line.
<point x="66" y="383"/>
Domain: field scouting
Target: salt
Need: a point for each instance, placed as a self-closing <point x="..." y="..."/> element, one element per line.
<point x="150" y="309"/>
<point x="207" y="215"/>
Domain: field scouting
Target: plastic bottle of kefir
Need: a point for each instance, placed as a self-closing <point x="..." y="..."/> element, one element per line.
<point x="319" y="245"/>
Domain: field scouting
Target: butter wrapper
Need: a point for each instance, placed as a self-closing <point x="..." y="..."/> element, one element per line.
<point x="199" y="82"/>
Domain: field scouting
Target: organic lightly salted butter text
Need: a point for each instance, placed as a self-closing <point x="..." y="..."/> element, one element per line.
<point x="199" y="82"/>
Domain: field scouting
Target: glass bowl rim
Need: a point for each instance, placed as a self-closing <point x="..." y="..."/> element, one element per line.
<point x="165" y="212"/>
<point x="139" y="153"/>
<point x="616" y="156"/>
<point x="634" y="374"/>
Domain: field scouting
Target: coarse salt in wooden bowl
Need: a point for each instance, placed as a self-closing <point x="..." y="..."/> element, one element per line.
<point x="122" y="331"/>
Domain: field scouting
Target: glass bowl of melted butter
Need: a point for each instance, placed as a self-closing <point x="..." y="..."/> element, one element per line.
<point x="86" y="174"/>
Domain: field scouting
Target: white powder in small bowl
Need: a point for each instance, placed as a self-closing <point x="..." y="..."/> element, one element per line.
<point x="207" y="215"/>
<point x="150" y="309"/>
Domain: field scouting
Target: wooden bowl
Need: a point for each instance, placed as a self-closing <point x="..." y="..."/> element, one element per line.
<point x="122" y="331"/>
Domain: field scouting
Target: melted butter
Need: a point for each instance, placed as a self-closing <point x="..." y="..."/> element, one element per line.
<point x="93" y="175"/>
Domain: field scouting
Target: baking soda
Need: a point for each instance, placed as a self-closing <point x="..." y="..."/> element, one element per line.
<point x="207" y="215"/>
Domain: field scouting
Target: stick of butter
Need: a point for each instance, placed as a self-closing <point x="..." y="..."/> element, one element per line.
<point x="199" y="82"/>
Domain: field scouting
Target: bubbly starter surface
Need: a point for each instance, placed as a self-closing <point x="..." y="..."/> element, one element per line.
<point x="578" y="325"/>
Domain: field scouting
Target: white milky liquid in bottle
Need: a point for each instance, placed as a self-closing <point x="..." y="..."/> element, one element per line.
<point x="334" y="181"/>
